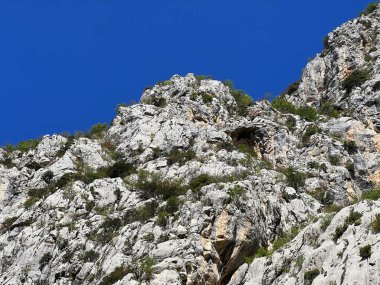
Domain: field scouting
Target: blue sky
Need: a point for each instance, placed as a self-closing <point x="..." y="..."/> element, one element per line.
<point x="65" y="65"/>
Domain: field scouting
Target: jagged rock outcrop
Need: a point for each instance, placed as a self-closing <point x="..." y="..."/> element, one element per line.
<point x="194" y="181"/>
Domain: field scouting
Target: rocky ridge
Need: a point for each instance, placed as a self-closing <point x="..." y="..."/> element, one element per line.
<point x="197" y="185"/>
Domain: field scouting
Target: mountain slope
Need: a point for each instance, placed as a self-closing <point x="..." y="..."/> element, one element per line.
<point x="197" y="185"/>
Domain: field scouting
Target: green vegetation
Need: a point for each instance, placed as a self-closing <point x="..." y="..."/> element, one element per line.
<point x="339" y="231"/>
<point x="370" y="8"/>
<point x="206" y="98"/>
<point x="145" y="268"/>
<point x="291" y="123"/>
<point x="30" y="202"/>
<point x="237" y="192"/>
<point x="326" y="42"/>
<point x="89" y="256"/>
<point x="292" y="87"/>
<point x="373" y="194"/>
<point x="37" y="194"/>
<point x="305" y="112"/>
<point x="309" y="132"/>
<point x="323" y="196"/>
<point x="47" y="176"/>
<point x="7" y="224"/>
<point x="355" y="79"/>
<point x="45" y="259"/>
<point x="284" y="238"/>
<point x="310" y="275"/>
<point x="350" y="147"/>
<point x="365" y="252"/>
<point x="334" y="159"/>
<point x="328" y="109"/>
<point x="354" y="218"/>
<point x="198" y="182"/>
<point x="242" y="99"/>
<point x="114" y="276"/>
<point x="294" y="178"/>
<point x="326" y="221"/>
<point x="162" y="218"/>
<point x="153" y="185"/>
<point x="180" y="156"/>
<point x="376" y="224"/>
<point x="97" y="131"/>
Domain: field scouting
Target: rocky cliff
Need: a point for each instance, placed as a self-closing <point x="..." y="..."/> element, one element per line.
<point x="196" y="184"/>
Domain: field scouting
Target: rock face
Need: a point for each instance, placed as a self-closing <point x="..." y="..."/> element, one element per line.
<point x="196" y="185"/>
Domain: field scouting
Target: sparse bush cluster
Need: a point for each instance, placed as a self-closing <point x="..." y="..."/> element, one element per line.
<point x="371" y="7"/>
<point x="355" y="79"/>
<point x="310" y="275"/>
<point x="328" y="109"/>
<point x="352" y="219"/>
<point x="305" y="112"/>
<point x="309" y="132"/>
<point x="180" y="156"/>
<point x="373" y="194"/>
<point x="117" y="274"/>
<point x="365" y="252"/>
<point x="295" y="179"/>
<point x="243" y="100"/>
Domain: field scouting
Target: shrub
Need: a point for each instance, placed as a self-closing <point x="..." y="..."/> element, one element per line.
<point x="180" y="156"/>
<point x="236" y="192"/>
<point x="325" y="197"/>
<point x="283" y="105"/>
<point x="45" y="260"/>
<point x="242" y="99"/>
<point x="291" y="123"/>
<point x="47" y="176"/>
<point x="353" y="218"/>
<point x="162" y="218"/>
<point x="89" y="256"/>
<point x="376" y="224"/>
<point x="112" y="224"/>
<point x="334" y="159"/>
<point x="40" y="193"/>
<point x="326" y="42"/>
<point x="332" y="208"/>
<point x="65" y="179"/>
<point x="339" y="231"/>
<point x="117" y="274"/>
<point x="310" y="131"/>
<point x="173" y="204"/>
<point x="351" y="168"/>
<point x="198" y="182"/>
<point x="365" y="252"/>
<point x="30" y="202"/>
<point x="350" y="146"/>
<point x="262" y="252"/>
<point x="249" y="259"/>
<point x="153" y="185"/>
<point x="307" y="113"/>
<point x="159" y="102"/>
<point x="7" y="224"/>
<point x="355" y="79"/>
<point x="369" y="9"/>
<point x="326" y="221"/>
<point x="146" y="267"/>
<point x="373" y="194"/>
<point x="119" y="169"/>
<point x="292" y="87"/>
<point x="27" y="145"/>
<point x="149" y="237"/>
<point x="97" y="131"/>
<point x="294" y="178"/>
<point x="284" y="238"/>
<point x="141" y="214"/>
<point x="206" y="98"/>
<point x="310" y="275"/>
<point x="327" y="108"/>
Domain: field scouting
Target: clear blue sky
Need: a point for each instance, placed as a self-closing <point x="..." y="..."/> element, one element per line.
<point x="66" y="64"/>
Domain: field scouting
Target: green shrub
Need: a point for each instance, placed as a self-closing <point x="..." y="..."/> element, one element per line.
<point x="173" y="204"/>
<point x="334" y="159"/>
<point x="292" y="87"/>
<point x="283" y="105"/>
<point x="112" y="224"/>
<point x="332" y="208"/>
<point x="365" y="252"/>
<point x="153" y="185"/>
<point x="27" y="145"/>
<point x="237" y="192"/>
<point x="339" y="231"/>
<point x="310" y="275"/>
<point x="376" y="224"/>
<point x="350" y="147"/>
<point x="262" y="252"/>
<point x="310" y="131"/>
<point x="97" y="131"/>
<point x="325" y="197"/>
<point x="30" y="202"/>
<point x="291" y="123"/>
<point x="198" y="182"/>
<point x="307" y="113"/>
<point x="146" y="267"/>
<point x="162" y="218"/>
<point x="249" y="259"/>
<point x="206" y="98"/>
<point x="350" y="167"/>
<point x="180" y="156"/>
<point x="369" y="9"/>
<point x="45" y="259"/>
<point x="326" y="221"/>
<point x="294" y="178"/>
<point x="246" y="147"/>
<point x="326" y="42"/>
<point x="327" y="108"/>
<point x="243" y="100"/>
<point x="40" y="193"/>
<point x="355" y="79"/>
<point x="353" y="218"/>
<point x="159" y="102"/>
<point x="117" y="274"/>
<point x="65" y="179"/>
<point x="119" y="169"/>
<point x="141" y="214"/>
<point x="373" y="194"/>
<point x="149" y="237"/>
<point x="89" y="256"/>
<point x="47" y="176"/>
<point x="7" y="224"/>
